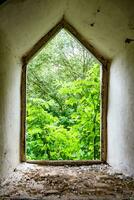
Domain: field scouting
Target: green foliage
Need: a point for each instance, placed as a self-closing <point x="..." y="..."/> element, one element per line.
<point x="63" y="102"/>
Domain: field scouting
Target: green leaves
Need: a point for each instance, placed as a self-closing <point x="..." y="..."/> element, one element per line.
<point x="63" y="102"/>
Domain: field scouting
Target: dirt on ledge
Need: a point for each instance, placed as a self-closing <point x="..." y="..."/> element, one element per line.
<point x="30" y="181"/>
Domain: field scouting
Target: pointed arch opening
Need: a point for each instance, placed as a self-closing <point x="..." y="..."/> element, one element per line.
<point x="64" y="100"/>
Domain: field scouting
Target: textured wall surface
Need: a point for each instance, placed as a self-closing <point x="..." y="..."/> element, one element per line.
<point x="9" y="108"/>
<point x="121" y="112"/>
<point x="106" y="25"/>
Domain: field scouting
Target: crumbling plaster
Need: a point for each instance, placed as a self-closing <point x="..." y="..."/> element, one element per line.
<point x="106" y="25"/>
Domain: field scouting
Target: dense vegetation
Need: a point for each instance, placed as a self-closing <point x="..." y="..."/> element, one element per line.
<point x="63" y="102"/>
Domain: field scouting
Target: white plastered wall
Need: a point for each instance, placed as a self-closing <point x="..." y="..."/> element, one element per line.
<point x="9" y="108"/>
<point x="121" y="111"/>
<point x="24" y="22"/>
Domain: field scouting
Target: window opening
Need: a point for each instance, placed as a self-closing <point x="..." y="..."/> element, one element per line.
<point x="63" y="116"/>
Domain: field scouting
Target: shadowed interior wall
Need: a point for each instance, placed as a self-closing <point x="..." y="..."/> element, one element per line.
<point x="121" y="111"/>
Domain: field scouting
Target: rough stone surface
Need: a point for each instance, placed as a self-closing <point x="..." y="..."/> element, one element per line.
<point x="82" y="183"/>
